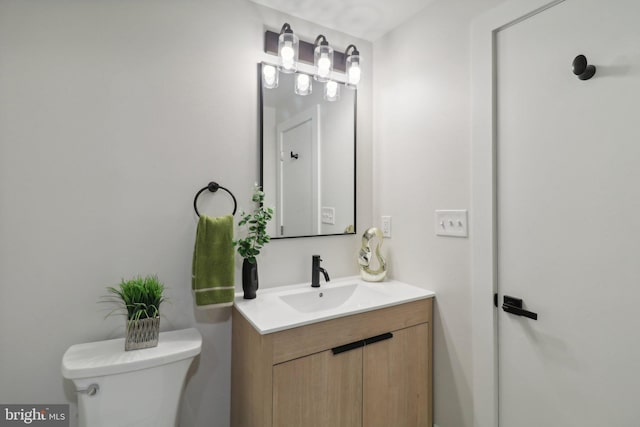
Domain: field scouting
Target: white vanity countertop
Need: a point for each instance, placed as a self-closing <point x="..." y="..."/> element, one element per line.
<point x="285" y="307"/>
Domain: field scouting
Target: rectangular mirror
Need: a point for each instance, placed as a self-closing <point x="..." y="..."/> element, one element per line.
<point x="308" y="157"/>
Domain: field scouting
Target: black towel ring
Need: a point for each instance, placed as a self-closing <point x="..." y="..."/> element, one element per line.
<point x="213" y="187"/>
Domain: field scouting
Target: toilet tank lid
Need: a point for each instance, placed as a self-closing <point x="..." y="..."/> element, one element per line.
<point x="109" y="357"/>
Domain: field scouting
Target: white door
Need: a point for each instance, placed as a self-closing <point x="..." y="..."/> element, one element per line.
<point x="297" y="175"/>
<point x="568" y="209"/>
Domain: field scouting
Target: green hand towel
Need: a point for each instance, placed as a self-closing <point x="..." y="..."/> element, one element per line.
<point x="213" y="271"/>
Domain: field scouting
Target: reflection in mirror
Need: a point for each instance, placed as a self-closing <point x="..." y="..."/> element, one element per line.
<point x="308" y="159"/>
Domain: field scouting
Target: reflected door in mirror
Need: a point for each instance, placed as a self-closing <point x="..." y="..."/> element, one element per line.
<point x="297" y="175"/>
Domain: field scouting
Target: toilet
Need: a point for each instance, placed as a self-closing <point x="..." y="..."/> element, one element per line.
<point x="142" y="388"/>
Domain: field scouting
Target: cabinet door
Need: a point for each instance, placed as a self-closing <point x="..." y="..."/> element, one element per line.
<point x="319" y="390"/>
<point x="396" y="380"/>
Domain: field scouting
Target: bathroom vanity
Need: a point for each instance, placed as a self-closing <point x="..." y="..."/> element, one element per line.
<point x="351" y="353"/>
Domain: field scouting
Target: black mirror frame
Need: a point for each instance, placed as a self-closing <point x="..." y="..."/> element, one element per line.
<point x="355" y="158"/>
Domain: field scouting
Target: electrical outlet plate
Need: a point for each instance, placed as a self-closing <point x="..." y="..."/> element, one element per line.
<point x="451" y="223"/>
<point x="386" y="226"/>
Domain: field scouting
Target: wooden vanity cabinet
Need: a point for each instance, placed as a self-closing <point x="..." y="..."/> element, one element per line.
<point x="397" y="380"/>
<point x="321" y="389"/>
<point x="293" y="378"/>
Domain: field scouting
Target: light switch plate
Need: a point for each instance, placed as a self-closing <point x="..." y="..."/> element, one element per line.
<point x="452" y="223"/>
<point x="328" y="215"/>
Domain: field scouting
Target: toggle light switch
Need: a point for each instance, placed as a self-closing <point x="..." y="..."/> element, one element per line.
<point x="451" y="223"/>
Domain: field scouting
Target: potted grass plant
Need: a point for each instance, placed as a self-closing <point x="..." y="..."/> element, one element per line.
<point x="249" y="247"/>
<point x="139" y="298"/>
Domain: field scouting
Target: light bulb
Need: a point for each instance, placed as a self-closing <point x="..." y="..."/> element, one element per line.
<point x="287" y="54"/>
<point x="287" y="64"/>
<point x="303" y="82"/>
<point x="354" y="74"/>
<point x="332" y="89"/>
<point x="303" y="85"/>
<point x="269" y="76"/>
<point x="353" y="67"/>
<point x="323" y="61"/>
<point x="324" y="66"/>
<point x="288" y="51"/>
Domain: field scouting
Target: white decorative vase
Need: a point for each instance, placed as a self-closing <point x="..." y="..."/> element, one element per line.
<point x="364" y="259"/>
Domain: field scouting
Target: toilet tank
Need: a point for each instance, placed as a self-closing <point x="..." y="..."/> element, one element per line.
<point x="140" y="387"/>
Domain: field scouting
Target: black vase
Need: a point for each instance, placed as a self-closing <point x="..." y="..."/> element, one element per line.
<point x="249" y="279"/>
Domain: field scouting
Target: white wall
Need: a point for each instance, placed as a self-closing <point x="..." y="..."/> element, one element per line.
<point x="112" y="115"/>
<point x="422" y="163"/>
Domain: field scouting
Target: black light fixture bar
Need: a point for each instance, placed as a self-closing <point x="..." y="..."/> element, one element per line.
<point x="305" y="51"/>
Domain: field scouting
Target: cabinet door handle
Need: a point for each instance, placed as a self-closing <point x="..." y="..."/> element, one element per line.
<point x="378" y="338"/>
<point x="361" y="343"/>
<point x="347" y="347"/>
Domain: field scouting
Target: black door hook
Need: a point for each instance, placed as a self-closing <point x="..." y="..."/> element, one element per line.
<point x="582" y="69"/>
<point x="294" y="156"/>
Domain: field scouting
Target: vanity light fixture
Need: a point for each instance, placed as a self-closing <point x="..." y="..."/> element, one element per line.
<point x="322" y="59"/>
<point x="331" y="90"/>
<point x="320" y="54"/>
<point x="303" y="84"/>
<point x="352" y="66"/>
<point x="288" y="49"/>
<point x="269" y="76"/>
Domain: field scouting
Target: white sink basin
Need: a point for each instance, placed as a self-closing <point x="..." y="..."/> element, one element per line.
<point x="321" y="299"/>
<point x="285" y="307"/>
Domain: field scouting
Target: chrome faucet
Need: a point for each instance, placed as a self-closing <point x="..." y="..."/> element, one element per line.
<point x="316" y="270"/>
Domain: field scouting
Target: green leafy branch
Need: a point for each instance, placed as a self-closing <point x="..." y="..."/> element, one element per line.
<point x="256" y="225"/>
